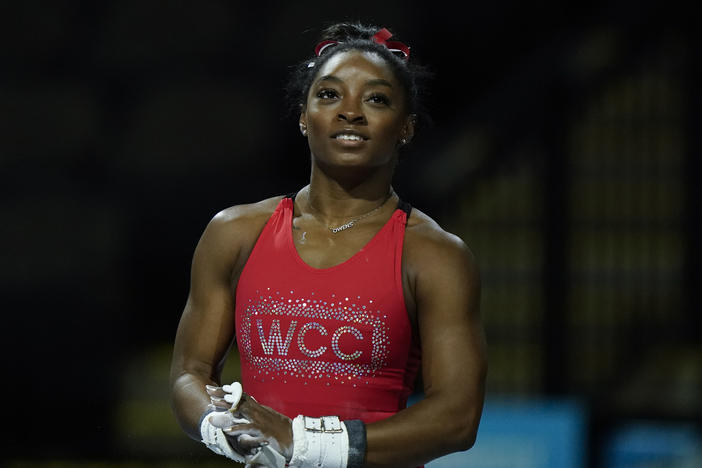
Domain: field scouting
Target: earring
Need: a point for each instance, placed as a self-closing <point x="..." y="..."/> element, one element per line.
<point x="403" y="141"/>
<point x="303" y="130"/>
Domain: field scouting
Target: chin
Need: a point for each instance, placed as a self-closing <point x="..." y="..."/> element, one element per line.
<point x="351" y="159"/>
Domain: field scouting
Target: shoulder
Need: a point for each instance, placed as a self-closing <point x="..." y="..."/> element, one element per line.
<point x="236" y="228"/>
<point x="242" y="217"/>
<point x="428" y="248"/>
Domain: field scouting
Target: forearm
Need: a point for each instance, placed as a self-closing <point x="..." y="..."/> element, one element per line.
<point x="427" y="430"/>
<point x="189" y="400"/>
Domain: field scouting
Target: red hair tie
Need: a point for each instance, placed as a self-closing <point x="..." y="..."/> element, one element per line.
<point x="323" y="45"/>
<point x="381" y="37"/>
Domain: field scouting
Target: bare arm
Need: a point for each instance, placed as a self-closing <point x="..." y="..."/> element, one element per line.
<point x="447" y="294"/>
<point x="206" y="329"/>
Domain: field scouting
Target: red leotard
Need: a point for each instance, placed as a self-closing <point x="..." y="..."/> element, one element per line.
<point x="331" y="341"/>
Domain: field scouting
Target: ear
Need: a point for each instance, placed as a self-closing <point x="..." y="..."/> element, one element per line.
<point x="303" y="123"/>
<point x="407" y="132"/>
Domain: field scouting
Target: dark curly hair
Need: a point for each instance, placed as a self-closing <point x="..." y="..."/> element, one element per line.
<point x="357" y="36"/>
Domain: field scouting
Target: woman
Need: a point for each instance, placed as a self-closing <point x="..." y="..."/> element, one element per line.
<point x="337" y="295"/>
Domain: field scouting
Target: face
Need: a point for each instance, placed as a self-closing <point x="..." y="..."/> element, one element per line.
<point x="355" y="114"/>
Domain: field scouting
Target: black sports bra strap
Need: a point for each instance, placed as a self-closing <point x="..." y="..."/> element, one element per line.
<point x="291" y="195"/>
<point x="404" y="206"/>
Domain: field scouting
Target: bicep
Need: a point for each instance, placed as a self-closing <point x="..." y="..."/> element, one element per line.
<point x="451" y="331"/>
<point x="206" y="327"/>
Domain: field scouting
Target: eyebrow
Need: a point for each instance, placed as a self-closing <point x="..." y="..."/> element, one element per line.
<point x="379" y="81"/>
<point x="373" y="82"/>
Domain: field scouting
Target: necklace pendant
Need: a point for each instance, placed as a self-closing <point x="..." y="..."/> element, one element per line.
<point x="342" y="227"/>
<point x="351" y="223"/>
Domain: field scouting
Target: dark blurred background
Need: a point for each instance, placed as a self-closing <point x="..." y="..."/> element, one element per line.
<point x="564" y="150"/>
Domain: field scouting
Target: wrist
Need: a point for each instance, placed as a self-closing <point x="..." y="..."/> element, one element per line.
<point x="327" y="441"/>
<point x="356" y="430"/>
<point x="215" y="439"/>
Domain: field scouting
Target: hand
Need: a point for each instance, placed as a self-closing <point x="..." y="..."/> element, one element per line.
<point x="224" y="398"/>
<point x="250" y="426"/>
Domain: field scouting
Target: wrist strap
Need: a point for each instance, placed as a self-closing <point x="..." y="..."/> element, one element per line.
<point x="356" y="430"/>
<point x="319" y="442"/>
<point x="215" y="440"/>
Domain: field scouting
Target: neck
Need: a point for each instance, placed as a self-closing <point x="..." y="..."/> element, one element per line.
<point x="336" y="199"/>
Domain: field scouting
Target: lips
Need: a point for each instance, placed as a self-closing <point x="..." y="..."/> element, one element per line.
<point x="349" y="135"/>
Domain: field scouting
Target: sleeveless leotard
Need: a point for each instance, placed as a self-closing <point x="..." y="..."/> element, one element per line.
<point x="330" y="341"/>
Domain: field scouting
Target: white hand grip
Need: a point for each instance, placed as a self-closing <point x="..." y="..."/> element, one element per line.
<point x="234" y="392"/>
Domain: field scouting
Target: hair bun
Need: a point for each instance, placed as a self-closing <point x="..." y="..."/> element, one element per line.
<point x="343" y="32"/>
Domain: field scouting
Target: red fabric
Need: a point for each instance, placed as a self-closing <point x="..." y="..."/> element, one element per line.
<point x="332" y="341"/>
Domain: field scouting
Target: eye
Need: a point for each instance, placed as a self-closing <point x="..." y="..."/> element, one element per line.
<point x="327" y="94"/>
<point x="378" y="98"/>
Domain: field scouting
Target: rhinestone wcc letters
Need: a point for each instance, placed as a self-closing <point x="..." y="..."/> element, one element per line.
<point x="313" y="338"/>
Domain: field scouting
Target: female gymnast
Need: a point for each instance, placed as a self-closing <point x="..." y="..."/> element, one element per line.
<point x="336" y="296"/>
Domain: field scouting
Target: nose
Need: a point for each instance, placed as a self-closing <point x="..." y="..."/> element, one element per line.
<point x="352" y="114"/>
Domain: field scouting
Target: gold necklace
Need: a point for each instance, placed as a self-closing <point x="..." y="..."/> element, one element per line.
<point x="353" y="222"/>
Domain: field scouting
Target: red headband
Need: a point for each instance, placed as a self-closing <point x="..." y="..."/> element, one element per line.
<point x="381" y="37"/>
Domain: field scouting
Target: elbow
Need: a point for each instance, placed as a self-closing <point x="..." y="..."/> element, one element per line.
<point x="465" y="437"/>
<point x="467" y="440"/>
<point x="464" y="431"/>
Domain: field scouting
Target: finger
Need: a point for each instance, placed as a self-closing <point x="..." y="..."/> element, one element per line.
<point x="220" y="403"/>
<point x="226" y="419"/>
<point x="215" y="391"/>
<point x="249" y="442"/>
<point x="233" y="443"/>
<point x="238" y="429"/>
<point x="234" y="433"/>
